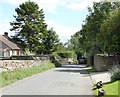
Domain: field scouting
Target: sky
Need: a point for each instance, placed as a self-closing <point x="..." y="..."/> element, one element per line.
<point x="64" y="16"/>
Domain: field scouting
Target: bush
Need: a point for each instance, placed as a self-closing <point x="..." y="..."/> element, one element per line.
<point x="56" y="55"/>
<point x="56" y="63"/>
<point x="115" y="73"/>
<point x="28" y="52"/>
<point x="67" y="54"/>
<point x="76" y="61"/>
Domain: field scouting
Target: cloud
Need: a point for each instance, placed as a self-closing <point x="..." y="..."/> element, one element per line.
<point x="4" y="28"/>
<point x="47" y="5"/>
<point x="81" y="4"/>
<point x="64" y="32"/>
<point x="51" y="5"/>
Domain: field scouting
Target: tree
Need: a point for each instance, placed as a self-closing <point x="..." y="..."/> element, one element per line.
<point x="29" y="25"/>
<point x="110" y="32"/>
<point x="87" y="39"/>
<point x="50" y="41"/>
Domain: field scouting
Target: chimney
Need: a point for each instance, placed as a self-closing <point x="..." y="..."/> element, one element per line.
<point x="6" y="34"/>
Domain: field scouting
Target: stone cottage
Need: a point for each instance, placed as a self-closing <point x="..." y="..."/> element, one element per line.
<point x="8" y="47"/>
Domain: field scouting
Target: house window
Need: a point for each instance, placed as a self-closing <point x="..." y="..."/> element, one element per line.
<point x="13" y="52"/>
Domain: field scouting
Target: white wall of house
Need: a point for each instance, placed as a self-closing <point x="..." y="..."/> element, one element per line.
<point x="10" y="52"/>
<point x="14" y="52"/>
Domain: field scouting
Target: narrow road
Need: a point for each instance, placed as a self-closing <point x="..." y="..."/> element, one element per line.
<point x="66" y="80"/>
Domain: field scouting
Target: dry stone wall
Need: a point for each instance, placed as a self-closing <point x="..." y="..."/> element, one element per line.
<point x="101" y="62"/>
<point x="9" y="65"/>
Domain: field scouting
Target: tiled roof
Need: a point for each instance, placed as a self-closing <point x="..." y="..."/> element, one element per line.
<point x="9" y="43"/>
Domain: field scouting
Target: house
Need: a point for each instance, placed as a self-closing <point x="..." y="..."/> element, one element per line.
<point x="8" y="47"/>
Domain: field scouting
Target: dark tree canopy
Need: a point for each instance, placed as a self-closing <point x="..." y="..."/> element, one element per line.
<point x="100" y="32"/>
<point x="29" y="24"/>
<point x="31" y="29"/>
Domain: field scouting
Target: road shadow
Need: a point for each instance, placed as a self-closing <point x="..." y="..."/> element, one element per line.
<point x="73" y="71"/>
<point x="72" y="66"/>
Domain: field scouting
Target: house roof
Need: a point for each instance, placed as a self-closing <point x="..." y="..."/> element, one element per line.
<point x="9" y="43"/>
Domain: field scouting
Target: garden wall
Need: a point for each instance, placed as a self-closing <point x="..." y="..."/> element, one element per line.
<point x="19" y="62"/>
<point x="101" y="62"/>
<point x="66" y="61"/>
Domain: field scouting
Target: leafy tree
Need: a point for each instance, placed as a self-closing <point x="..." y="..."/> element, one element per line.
<point x="50" y="41"/>
<point x="60" y="47"/>
<point x="110" y="32"/>
<point x="87" y="40"/>
<point x="29" y="25"/>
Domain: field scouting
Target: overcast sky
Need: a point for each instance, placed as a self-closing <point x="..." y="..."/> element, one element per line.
<point x="64" y="16"/>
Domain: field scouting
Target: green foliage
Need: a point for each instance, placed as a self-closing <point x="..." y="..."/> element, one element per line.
<point x="90" y="58"/>
<point x="115" y="73"/>
<point x="92" y="70"/>
<point x="9" y="77"/>
<point x="67" y="54"/>
<point x="76" y="61"/>
<point x="111" y="89"/>
<point x="56" y="55"/>
<point x="56" y="63"/>
<point x="100" y="32"/>
<point x="29" y="25"/>
<point x="60" y="47"/>
<point x="110" y="32"/>
<point x="50" y="41"/>
<point x="28" y="52"/>
<point x="31" y="29"/>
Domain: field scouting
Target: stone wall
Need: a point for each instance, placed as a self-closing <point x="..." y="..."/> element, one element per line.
<point x="9" y="65"/>
<point x="31" y="57"/>
<point x="66" y="61"/>
<point x="101" y="62"/>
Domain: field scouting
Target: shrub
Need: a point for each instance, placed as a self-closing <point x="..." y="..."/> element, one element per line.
<point x="56" y="55"/>
<point x="76" y="61"/>
<point x="67" y="54"/>
<point x="28" y="52"/>
<point x="115" y="73"/>
<point x="56" y="63"/>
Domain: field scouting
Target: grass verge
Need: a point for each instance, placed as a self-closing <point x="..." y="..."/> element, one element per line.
<point x="92" y="70"/>
<point x="9" y="77"/>
<point x="112" y="89"/>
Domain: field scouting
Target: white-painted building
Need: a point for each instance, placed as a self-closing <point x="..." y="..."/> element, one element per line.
<point x="8" y="47"/>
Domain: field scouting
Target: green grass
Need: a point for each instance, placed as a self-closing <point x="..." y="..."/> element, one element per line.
<point x="92" y="70"/>
<point x="111" y="88"/>
<point x="9" y="77"/>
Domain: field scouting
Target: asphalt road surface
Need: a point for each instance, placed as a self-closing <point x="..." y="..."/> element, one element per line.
<point x="65" y="80"/>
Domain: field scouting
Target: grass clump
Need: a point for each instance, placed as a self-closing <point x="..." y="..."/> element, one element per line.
<point x="111" y="88"/>
<point x="115" y="73"/>
<point x="9" y="77"/>
<point x="92" y="70"/>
